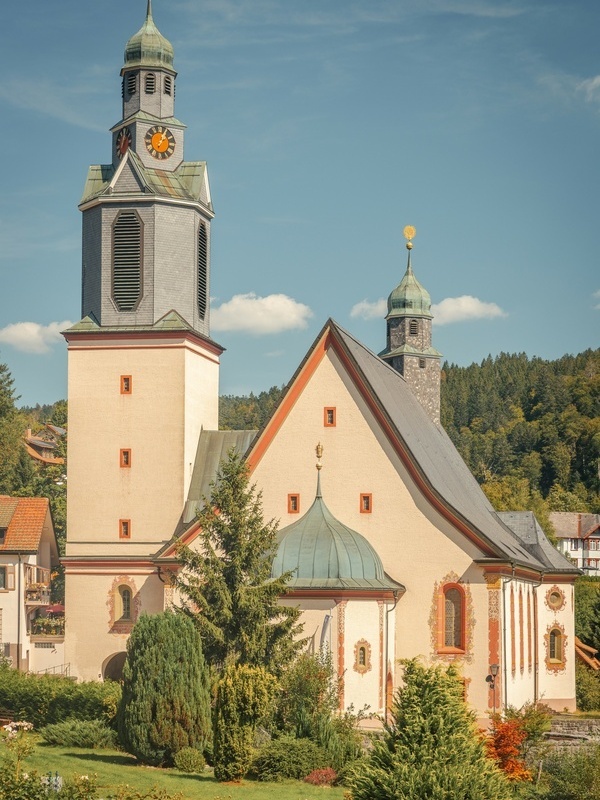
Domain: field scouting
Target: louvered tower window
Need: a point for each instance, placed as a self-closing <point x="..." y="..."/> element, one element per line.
<point x="168" y="84"/>
<point x="202" y="270"/>
<point x="132" y="83"/>
<point x="127" y="260"/>
<point x="150" y="83"/>
<point x="413" y="327"/>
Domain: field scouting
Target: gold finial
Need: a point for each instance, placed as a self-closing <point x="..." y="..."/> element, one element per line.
<point x="409" y="233"/>
<point x="319" y="452"/>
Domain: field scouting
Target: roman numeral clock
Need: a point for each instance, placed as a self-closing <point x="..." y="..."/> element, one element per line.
<point x="160" y="142"/>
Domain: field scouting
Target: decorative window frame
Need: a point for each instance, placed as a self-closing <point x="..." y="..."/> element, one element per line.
<point x="116" y="623"/>
<point x="293" y="503"/>
<point x="329" y="417"/>
<point x="555" y="604"/>
<point x="437" y="620"/>
<point x="556" y="664"/>
<point x="362" y="646"/>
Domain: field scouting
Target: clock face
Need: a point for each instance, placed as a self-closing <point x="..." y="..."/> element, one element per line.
<point x="123" y="141"/>
<point x="160" y="142"/>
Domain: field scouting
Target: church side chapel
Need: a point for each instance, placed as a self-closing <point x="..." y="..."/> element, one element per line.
<point x="395" y="550"/>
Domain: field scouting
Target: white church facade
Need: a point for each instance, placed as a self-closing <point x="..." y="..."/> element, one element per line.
<point x="395" y="550"/>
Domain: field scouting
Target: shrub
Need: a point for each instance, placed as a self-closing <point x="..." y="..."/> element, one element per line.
<point x="588" y="688"/>
<point x="288" y="758"/>
<point x="321" y="777"/>
<point x="79" y="733"/>
<point x="244" y="696"/>
<point x="46" y="699"/>
<point x="573" y="775"/>
<point x="188" y="759"/>
<point x="165" y="704"/>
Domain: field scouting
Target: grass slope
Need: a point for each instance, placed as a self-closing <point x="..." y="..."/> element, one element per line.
<point x="114" y="768"/>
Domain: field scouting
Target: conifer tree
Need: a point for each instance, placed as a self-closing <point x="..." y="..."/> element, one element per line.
<point x="165" y="704"/>
<point x="431" y="748"/>
<point x="226" y="585"/>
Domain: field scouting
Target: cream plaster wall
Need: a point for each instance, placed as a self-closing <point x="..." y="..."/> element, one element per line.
<point x="89" y="639"/>
<point x="174" y="393"/>
<point x="417" y="546"/>
<point x="364" y="621"/>
<point x="556" y="687"/>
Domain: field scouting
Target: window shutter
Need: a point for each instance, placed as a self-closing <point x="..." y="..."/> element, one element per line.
<point x="202" y="270"/>
<point x="127" y="260"/>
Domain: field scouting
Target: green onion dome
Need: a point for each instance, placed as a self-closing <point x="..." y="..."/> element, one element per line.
<point x="148" y="47"/>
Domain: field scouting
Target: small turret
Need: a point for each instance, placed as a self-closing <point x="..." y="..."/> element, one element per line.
<point x="408" y="347"/>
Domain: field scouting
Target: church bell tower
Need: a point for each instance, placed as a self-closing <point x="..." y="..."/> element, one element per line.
<point x="143" y="370"/>
<point x="408" y="347"/>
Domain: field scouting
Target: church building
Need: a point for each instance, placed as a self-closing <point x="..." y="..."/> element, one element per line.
<point x="395" y="550"/>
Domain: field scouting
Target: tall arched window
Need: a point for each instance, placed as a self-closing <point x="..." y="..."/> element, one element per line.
<point x="125" y="602"/>
<point x="202" y="270"/>
<point x="555" y="645"/>
<point x="150" y="83"/>
<point x="127" y="260"/>
<point x="453" y="631"/>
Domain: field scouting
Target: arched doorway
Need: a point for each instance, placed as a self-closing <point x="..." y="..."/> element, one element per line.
<point x="113" y="667"/>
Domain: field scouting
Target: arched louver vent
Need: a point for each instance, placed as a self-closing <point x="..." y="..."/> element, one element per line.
<point x="202" y="270"/>
<point x="413" y="327"/>
<point x="131" y="83"/>
<point x="150" y="83"/>
<point x="168" y="84"/>
<point x="127" y="260"/>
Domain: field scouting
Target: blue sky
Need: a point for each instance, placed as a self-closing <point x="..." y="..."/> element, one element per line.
<point x="328" y="125"/>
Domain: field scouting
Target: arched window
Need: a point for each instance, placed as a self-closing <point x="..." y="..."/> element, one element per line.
<point x="555" y="645"/>
<point x="362" y="656"/>
<point x="125" y="604"/>
<point x="202" y="270"/>
<point x="168" y="84"/>
<point x="413" y="327"/>
<point x="127" y="260"/>
<point x="150" y="83"/>
<point x="131" y="83"/>
<point x="453" y="617"/>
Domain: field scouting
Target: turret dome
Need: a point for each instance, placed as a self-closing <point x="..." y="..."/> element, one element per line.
<point x="148" y="47"/>
<point x="409" y="297"/>
<point x="322" y="552"/>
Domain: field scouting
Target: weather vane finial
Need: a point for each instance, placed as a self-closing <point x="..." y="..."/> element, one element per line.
<point x="319" y="452"/>
<point x="409" y="233"/>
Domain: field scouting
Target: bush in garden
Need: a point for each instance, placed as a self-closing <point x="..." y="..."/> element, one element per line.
<point x="47" y="699"/>
<point x="165" y="705"/>
<point x="587" y="683"/>
<point x="505" y="746"/>
<point x="572" y="774"/>
<point x="431" y="748"/>
<point x="79" y="733"/>
<point x="321" y="777"/>
<point x="288" y="758"/>
<point x="188" y="759"/>
<point x="244" y="696"/>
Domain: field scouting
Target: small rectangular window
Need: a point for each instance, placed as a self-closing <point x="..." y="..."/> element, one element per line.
<point x="329" y="417"/>
<point x="3" y="582"/>
<point x="125" y="458"/>
<point x="293" y="503"/>
<point x="421" y="363"/>
<point x="366" y="503"/>
<point x="124" y="528"/>
<point x="125" y="384"/>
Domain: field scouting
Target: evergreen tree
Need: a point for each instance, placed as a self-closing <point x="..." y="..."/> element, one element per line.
<point x="244" y="696"/>
<point x="226" y="585"/>
<point x="432" y="748"/>
<point x="165" y="704"/>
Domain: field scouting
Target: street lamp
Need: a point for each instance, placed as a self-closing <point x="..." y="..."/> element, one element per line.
<point x="491" y="679"/>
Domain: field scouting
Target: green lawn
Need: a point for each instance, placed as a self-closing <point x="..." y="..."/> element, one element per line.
<point x="114" y="768"/>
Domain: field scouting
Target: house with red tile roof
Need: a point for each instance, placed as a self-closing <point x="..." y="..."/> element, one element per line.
<point x="28" y="553"/>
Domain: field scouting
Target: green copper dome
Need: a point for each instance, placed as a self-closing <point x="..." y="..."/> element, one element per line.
<point x="322" y="552"/>
<point x="148" y="47"/>
<point x="409" y="298"/>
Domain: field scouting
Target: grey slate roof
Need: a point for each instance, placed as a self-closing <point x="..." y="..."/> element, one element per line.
<point x="527" y="530"/>
<point x="433" y="452"/>
<point x="213" y="447"/>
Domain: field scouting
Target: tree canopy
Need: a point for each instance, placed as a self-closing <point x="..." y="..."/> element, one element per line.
<point x="226" y="585"/>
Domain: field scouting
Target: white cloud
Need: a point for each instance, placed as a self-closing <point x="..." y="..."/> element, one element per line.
<point x="31" y="337"/>
<point x="368" y="310"/>
<point x="596" y="297"/>
<point x="459" y="309"/>
<point x="591" y="88"/>
<point x="260" y="315"/>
